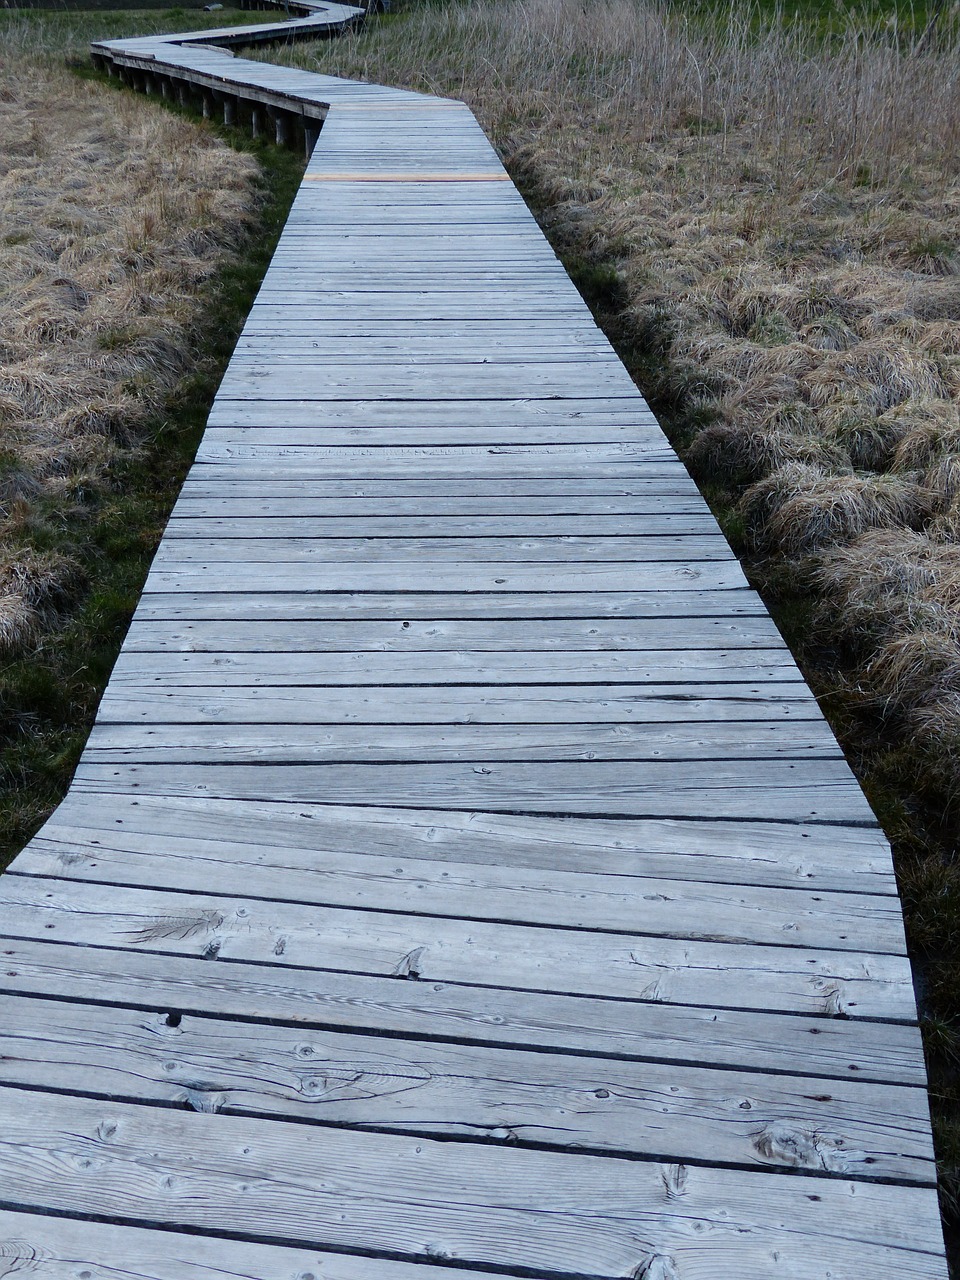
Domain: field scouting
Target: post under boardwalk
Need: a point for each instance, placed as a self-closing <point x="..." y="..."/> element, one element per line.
<point x="460" y="878"/>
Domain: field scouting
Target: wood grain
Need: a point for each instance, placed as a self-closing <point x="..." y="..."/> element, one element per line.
<point x="724" y="974"/>
<point x="323" y="1186"/>
<point x="470" y="1092"/>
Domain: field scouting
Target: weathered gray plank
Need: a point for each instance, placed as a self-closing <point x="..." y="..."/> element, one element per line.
<point x="305" y="744"/>
<point x="458" y="704"/>
<point x="450" y="576"/>
<point x="480" y="494"/>
<point x="576" y="1214"/>
<point x="254" y="547"/>
<point x="473" y="1092"/>
<point x="602" y="902"/>
<point x="604" y="667"/>
<point x="64" y="1248"/>
<point x="578" y="1026"/>
<point x="797" y="791"/>
<point x="264" y="605"/>
<point x="479" y="635"/>
<point x="789" y="855"/>
<point x="309" y="462"/>
<point x="263" y="424"/>
<point x="784" y="979"/>
<point x="266" y="378"/>
<point x="311" y="517"/>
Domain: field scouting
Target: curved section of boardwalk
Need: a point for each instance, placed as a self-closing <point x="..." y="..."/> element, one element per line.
<point x="460" y="875"/>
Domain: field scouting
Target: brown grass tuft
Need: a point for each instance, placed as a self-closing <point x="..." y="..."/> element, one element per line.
<point x="802" y="509"/>
<point x="35" y="590"/>
<point x="916" y="668"/>
<point x="877" y="375"/>
<point x="740" y="454"/>
<point x="115" y="212"/>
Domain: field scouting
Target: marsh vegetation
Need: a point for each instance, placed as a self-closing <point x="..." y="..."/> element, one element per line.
<point x="127" y="261"/>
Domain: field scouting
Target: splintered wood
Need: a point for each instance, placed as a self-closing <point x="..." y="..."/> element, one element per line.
<point x="460" y="877"/>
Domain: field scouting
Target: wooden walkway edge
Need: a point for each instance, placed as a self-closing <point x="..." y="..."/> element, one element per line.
<point x="460" y="878"/>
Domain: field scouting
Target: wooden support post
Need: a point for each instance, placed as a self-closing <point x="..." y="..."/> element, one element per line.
<point x="208" y="104"/>
<point x="283" y="126"/>
<point x="229" y="110"/>
<point x="311" y="133"/>
<point x="183" y="93"/>
<point x="256" y="121"/>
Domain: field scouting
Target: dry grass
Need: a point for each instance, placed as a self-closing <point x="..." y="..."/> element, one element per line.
<point x="113" y="213"/>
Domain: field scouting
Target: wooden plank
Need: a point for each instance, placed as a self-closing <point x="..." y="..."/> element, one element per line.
<point x="760" y="790"/>
<point x="322" y="461"/>
<point x="459" y="704"/>
<point x="261" y="606"/>
<point x="306" y="744"/>
<point x="469" y="1092"/>
<point x="661" y="512"/>
<point x="381" y="306"/>
<point x="606" y="667"/>
<point x="603" y="902"/>
<point x="412" y="303"/>
<point x="816" y="857"/>
<point x="830" y="1048"/>
<point x="478" y="336"/>
<point x="576" y="1214"/>
<point x="783" y="979"/>
<point x="489" y="462"/>
<point x="367" y="408"/>
<point x="64" y="1248"/>
<point x="544" y="550"/>
<point x="269" y="380"/>
<point x="271" y="427"/>
<point x="451" y="576"/>
<point x="756" y="634"/>
<point x="317" y="518"/>
<point x="565" y="493"/>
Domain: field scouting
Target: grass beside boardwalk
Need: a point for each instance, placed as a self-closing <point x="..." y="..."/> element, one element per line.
<point x="132" y="243"/>
<point x="908" y="19"/>
<point x="62" y="35"/>
<point x="764" y="208"/>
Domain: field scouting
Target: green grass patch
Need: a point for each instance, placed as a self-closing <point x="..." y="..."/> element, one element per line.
<point x="907" y="20"/>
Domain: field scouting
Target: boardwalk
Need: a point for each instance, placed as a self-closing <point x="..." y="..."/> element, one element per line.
<point x="460" y="878"/>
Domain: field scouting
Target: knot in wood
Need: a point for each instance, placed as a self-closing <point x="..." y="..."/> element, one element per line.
<point x="674" y="1177"/>
<point x="409" y="965"/>
<point x="799" y="1148"/>
<point x="17" y="1256"/>
<point x="660" y="1266"/>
